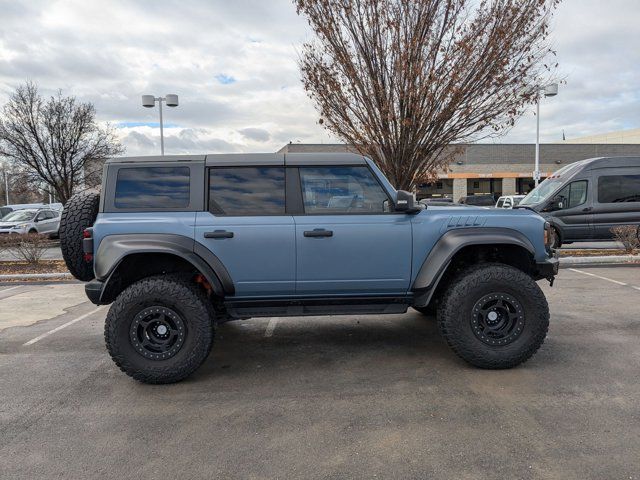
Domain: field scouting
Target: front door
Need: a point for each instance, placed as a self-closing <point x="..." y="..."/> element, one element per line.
<point x="348" y="241"/>
<point x="247" y="229"/>
<point x="574" y="213"/>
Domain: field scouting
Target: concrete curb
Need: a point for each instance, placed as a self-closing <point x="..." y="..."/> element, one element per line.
<point x="600" y="260"/>
<point x="564" y="262"/>
<point x="35" y="276"/>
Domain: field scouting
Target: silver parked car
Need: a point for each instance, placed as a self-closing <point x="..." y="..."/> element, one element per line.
<point x="44" y="221"/>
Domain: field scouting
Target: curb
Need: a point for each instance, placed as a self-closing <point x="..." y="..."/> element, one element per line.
<point x="35" y="276"/>
<point x="600" y="260"/>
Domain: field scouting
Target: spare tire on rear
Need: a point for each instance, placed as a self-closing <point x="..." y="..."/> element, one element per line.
<point x="79" y="213"/>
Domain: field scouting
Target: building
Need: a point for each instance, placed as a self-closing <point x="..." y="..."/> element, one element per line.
<point x="498" y="169"/>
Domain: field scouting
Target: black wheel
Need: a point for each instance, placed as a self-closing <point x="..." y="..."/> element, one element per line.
<point x="494" y="316"/>
<point x="160" y="329"/>
<point x="79" y="213"/>
<point x="32" y="231"/>
<point x="557" y="241"/>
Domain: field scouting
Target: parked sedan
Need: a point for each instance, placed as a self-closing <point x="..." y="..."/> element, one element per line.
<point x="43" y="221"/>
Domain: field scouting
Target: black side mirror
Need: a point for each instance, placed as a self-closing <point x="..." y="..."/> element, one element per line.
<point x="557" y="203"/>
<point x="406" y="202"/>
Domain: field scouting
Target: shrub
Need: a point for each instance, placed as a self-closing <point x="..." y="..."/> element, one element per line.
<point x="629" y="236"/>
<point x="29" y="247"/>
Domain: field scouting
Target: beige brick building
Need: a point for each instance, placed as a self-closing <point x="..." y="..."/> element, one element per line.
<point x="500" y="169"/>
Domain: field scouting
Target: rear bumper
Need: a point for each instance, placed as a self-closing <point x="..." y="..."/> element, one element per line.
<point x="94" y="290"/>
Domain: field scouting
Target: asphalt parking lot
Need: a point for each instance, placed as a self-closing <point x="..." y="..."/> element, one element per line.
<point x="332" y="397"/>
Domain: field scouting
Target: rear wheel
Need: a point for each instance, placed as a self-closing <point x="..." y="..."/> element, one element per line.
<point x="160" y="329"/>
<point x="79" y="213"/>
<point x="494" y="316"/>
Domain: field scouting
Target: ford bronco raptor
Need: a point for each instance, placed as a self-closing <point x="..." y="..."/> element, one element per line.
<point x="179" y="244"/>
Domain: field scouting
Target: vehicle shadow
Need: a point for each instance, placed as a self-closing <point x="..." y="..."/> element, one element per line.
<point x="313" y="345"/>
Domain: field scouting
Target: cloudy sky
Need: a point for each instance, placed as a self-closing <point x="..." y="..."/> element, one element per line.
<point x="233" y="63"/>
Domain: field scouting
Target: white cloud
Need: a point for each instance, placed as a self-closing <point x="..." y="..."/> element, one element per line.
<point x="234" y="66"/>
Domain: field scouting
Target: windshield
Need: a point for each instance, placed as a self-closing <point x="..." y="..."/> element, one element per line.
<point x="19" y="216"/>
<point x="543" y="191"/>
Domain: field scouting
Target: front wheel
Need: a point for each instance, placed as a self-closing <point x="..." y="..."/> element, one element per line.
<point x="160" y="329"/>
<point x="494" y="316"/>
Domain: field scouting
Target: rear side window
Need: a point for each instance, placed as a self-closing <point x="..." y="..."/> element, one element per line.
<point x="152" y="187"/>
<point x="619" y="188"/>
<point x="247" y="191"/>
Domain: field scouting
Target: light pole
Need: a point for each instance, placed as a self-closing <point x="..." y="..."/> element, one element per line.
<point x="149" y="101"/>
<point x="550" y="90"/>
<point x="6" y="183"/>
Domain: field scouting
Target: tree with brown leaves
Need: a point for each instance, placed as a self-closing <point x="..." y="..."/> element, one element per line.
<point x="402" y="80"/>
<point x="55" y="139"/>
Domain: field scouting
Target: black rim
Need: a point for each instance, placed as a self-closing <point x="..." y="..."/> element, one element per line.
<point x="157" y="333"/>
<point x="498" y="319"/>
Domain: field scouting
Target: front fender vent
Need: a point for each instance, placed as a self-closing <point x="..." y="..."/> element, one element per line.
<point x="465" y="221"/>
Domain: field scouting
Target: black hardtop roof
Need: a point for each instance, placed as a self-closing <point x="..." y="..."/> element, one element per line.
<point x="253" y="159"/>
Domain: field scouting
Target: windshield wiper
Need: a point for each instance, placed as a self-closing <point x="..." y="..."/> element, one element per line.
<point x="524" y="206"/>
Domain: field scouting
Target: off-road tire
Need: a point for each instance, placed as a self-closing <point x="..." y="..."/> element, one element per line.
<point x="79" y="213"/>
<point x="182" y="297"/>
<point x="456" y="310"/>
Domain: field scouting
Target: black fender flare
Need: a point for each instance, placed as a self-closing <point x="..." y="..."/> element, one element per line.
<point x="113" y="249"/>
<point x="449" y="244"/>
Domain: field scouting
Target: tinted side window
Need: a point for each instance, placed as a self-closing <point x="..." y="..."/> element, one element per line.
<point x="247" y="191"/>
<point x="619" y="188"/>
<point x="152" y="187"/>
<point x="342" y="190"/>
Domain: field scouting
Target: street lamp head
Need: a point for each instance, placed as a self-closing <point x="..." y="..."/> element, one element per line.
<point x="148" y="101"/>
<point x="171" y="99"/>
<point x="551" y="90"/>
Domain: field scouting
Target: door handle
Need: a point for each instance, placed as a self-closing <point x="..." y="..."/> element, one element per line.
<point x="318" y="232"/>
<point x="218" y="234"/>
<point x="587" y="209"/>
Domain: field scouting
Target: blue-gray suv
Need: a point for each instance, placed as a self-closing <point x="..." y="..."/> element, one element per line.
<point x="180" y="244"/>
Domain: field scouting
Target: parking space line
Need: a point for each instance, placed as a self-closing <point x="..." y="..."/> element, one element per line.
<point x="600" y="277"/>
<point x="271" y="326"/>
<point x="64" y="325"/>
<point x="9" y="289"/>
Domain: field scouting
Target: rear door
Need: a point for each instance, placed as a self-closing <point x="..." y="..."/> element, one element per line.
<point x="45" y="221"/>
<point x="247" y="227"/>
<point x="617" y="200"/>
<point x="348" y="241"/>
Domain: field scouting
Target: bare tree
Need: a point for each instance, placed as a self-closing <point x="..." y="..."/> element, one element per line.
<point x="401" y="80"/>
<point x="54" y="139"/>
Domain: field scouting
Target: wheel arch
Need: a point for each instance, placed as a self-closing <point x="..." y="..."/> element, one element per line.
<point x="460" y="248"/>
<point x="124" y="259"/>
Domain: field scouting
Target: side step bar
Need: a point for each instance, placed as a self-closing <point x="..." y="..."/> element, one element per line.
<point x="317" y="306"/>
